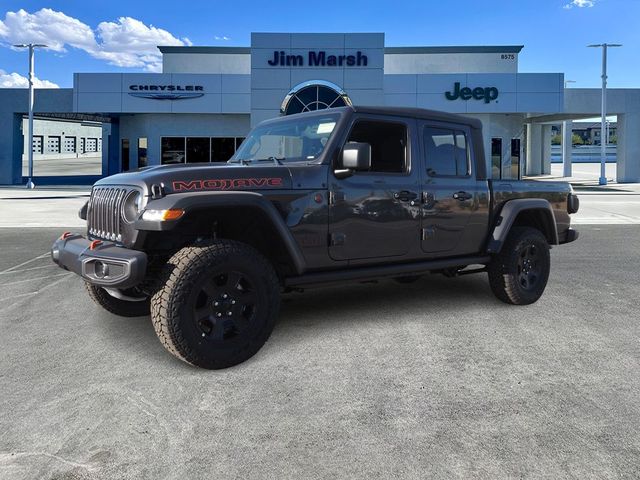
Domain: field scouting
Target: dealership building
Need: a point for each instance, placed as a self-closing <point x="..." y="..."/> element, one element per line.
<point x="207" y="98"/>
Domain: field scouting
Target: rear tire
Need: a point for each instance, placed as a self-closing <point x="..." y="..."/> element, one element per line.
<point x="117" y="306"/>
<point x="218" y="304"/>
<point x="518" y="274"/>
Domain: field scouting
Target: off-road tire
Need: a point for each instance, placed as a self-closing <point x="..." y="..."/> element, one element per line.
<point x="193" y="280"/>
<point x="511" y="278"/>
<point x="123" y="308"/>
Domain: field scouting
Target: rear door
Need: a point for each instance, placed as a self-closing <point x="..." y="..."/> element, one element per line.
<point x="455" y="203"/>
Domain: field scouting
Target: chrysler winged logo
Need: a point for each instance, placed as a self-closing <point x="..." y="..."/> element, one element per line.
<point x="166" y="92"/>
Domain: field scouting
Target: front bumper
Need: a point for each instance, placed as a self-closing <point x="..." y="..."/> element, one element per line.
<point x="100" y="263"/>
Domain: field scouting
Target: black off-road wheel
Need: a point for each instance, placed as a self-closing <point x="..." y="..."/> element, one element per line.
<point x="519" y="273"/>
<point x="125" y="303"/>
<point x="218" y="304"/>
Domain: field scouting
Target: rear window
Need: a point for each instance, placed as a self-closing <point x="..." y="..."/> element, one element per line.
<point x="447" y="152"/>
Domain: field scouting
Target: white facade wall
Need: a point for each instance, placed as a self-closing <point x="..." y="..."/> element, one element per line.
<point x="239" y="63"/>
<point x="399" y="63"/>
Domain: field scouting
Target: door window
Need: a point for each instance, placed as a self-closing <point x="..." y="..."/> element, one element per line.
<point x="447" y="152"/>
<point x="388" y="144"/>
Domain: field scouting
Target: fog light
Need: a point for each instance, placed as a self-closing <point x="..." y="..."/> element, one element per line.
<point x="101" y="269"/>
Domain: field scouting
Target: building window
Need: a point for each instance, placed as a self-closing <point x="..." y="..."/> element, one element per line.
<point x="222" y="149"/>
<point x="496" y="158"/>
<point x="314" y="95"/>
<point x="69" y="144"/>
<point x="447" y="152"/>
<point x="198" y="149"/>
<point x="172" y="150"/>
<point x="37" y="144"/>
<point x="124" y="154"/>
<point x="515" y="158"/>
<point x="142" y="152"/>
<point x="83" y="145"/>
<point x="388" y="144"/>
<point x="53" y="144"/>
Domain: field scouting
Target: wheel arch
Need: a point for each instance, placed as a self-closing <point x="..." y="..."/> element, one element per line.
<point x="536" y="213"/>
<point x="243" y="216"/>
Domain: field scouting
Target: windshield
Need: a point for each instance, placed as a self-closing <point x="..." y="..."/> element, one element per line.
<point x="288" y="141"/>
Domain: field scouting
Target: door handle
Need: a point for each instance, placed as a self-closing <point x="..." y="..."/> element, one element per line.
<point x="405" y="196"/>
<point x="462" y="196"/>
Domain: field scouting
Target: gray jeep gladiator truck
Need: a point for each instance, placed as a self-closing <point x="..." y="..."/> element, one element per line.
<point x="340" y="195"/>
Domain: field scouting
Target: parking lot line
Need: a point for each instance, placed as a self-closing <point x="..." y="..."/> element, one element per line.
<point x="46" y="287"/>
<point x="10" y="269"/>
<point x="6" y="272"/>
<point x="33" y="279"/>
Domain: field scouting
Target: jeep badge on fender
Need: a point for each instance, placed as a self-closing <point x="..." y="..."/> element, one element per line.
<point x="311" y="199"/>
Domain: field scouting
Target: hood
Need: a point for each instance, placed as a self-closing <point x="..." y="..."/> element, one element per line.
<point x="194" y="177"/>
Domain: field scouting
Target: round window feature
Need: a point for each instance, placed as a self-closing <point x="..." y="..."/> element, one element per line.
<point x="315" y="95"/>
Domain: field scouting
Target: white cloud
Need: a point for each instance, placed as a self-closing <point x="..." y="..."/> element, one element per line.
<point x="222" y="37"/>
<point x="127" y="42"/>
<point x="47" y="26"/>
<point x="15" y="80"/>
<point x="580" y="4"/>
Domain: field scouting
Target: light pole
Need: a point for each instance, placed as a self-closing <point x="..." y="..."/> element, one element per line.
<point x="603" y="146"/>
<point x="31" y="47"/>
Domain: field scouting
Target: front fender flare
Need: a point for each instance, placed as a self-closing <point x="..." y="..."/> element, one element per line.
<point x="193" y="201"/>
<point x="508" y="214"/>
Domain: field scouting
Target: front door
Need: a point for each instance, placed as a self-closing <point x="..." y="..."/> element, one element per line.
<point x="375" y="214"/>
<point x="455" y="203"/>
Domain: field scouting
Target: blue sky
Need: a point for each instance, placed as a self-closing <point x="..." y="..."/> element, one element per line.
<point x="116" y="36"/>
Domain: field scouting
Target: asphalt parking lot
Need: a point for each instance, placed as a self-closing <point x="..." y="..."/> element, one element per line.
<point x="436" y="379"/>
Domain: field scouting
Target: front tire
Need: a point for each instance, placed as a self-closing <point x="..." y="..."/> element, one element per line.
<point x="137" y="305"/>
<point x="518" y="274"/>
<point x="218" y="304"/>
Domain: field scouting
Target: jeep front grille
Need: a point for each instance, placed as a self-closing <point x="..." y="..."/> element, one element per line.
<point x="104" y="218"/>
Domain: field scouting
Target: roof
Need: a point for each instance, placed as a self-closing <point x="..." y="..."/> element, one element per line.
<point x="419" y="113"/>
<point x="392" y="50"/>
<point x="456" y="49"/>
<point x="222" y="50"/>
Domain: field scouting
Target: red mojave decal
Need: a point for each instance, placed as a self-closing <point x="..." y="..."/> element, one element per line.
<point x="226" y="184"/>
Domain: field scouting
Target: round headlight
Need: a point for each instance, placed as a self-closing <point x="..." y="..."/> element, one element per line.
<point x="131" y="206"/>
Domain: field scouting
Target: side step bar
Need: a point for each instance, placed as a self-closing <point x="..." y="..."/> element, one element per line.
<point x="381" y="271"/>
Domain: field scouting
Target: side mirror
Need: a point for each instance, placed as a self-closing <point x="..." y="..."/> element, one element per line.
<point x="356" y="156"/>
